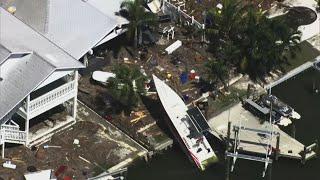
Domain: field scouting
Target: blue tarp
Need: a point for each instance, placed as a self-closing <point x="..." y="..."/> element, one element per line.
<point x="184" y="78"/>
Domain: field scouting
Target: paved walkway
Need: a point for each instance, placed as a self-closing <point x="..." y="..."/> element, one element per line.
<point x="308" y="31"/>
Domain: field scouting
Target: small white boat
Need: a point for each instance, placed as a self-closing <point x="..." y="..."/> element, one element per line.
<point x="102" y="77"/>
<point x="187" y="130"/>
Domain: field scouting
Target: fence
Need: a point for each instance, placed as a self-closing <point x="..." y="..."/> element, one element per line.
<point x="177" y="14"/>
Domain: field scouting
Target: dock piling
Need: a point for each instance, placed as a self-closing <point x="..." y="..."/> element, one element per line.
<point x="293" y="131"/>
<point x="304" y="154"/>
<point x="317" y="147"/>
<point x="270" y="172"/>
<point x="277" y="148"/>
<point x="228" y="135"/>
<point x="227" y="167"/>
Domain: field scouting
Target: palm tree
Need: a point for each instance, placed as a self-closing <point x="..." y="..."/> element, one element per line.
<point x="226" y="23"/>
<point x="127" y="86"/>
<point x="138" y="17"/>
<point x="244" y="37"/>
<point x="267" y="43"/>
<point x="217" y="71"/>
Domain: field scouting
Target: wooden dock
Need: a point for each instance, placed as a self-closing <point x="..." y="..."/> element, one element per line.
<point x="253" y="141"/>
<point x="293" y="72"/>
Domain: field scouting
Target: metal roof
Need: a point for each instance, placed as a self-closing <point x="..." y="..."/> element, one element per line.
<point x="75" y="25"/>
<point x="109" y="8"/>
<point x="22" y="75"/>
<point x="4" y="53"/>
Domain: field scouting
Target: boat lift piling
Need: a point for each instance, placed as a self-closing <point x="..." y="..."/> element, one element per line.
<point x="277" y="152"/>
<point x="236" y="153"/>
<point x="293" y="130"/>
<point x="227" y="158"/>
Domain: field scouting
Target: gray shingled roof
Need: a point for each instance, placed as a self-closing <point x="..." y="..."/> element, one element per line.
<point x="22" y="75"/>
<point x="74" y="25"/>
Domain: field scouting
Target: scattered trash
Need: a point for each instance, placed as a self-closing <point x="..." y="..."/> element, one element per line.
<point x="169" y="31"/>
<point x="174" y="46"/>
<point x="184" y="78"/>
<point x="164" y="18"/>
<point x="108" y="117"/>
<point x="48" y="146"/>
<point x="76" y="141"/>
<point x="186" y="97"/>
<point x="60" y="170"/>
<point x="219" y="6"/>
<point x="41" y="153"/>
<point x="143" y="71"/>
<point x="197" y="78"/>
<point x="85" y="160"/>
<point x="135" y="120"/>
<point x="140" y="115"/>
<point x="8" y="164"/>
<point x="155" y="6"/>
<point x="43" y="175"/>
<point x="31" y="169"/>
<point x="192" y="74"/>
<point x="67" y="178"/>
<point x="160" y="68"/>
<point x="33" y="148"/>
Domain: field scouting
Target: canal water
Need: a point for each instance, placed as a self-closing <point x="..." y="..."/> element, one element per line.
<point x="299" y="93"/>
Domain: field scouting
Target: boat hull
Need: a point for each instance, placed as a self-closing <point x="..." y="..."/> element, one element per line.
<point x="176" y="110"/>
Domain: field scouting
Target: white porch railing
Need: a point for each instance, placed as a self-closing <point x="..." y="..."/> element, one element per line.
<point x="11" y="133"/>
<point x="49" y="100"/>
<point x="53" y="95"/>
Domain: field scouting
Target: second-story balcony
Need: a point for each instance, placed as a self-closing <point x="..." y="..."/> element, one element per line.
<point x="48" y="100"/>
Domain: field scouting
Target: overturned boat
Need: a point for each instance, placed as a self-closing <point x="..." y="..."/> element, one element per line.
<point x="189" y="125"/>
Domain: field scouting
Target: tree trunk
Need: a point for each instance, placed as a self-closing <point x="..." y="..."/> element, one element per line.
<point x="135" y="38"/>
<point x="140" y="37"/>
<point x="123" y="114"/>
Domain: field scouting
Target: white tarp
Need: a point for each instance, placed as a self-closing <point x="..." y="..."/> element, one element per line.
<point x="40" y="175"/>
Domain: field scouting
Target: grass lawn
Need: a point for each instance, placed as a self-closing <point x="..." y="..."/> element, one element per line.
<point x="223" y="102"/>
<point x="307" y="53"/>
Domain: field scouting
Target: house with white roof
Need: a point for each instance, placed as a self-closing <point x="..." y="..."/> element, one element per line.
<point x="36" y="75"/>
<point x="41" y="42"/>
<point x="76" y="26"/>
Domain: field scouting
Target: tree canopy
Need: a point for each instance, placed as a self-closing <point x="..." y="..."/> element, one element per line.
<point x="135" y="13"/>
<point x="127" y="86"/>
<point x="243" y="37"/>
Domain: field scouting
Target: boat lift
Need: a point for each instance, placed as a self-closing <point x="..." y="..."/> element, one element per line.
<point x="235" y="153"/>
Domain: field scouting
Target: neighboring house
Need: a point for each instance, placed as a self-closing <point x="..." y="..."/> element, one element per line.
<point x="76" y="26"/>
<point x="40" y="45"/>
<point x="35" y="76"/>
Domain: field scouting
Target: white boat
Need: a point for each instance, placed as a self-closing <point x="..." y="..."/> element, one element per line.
<point x="102" y="77"/>
<point x="187" y="130"/>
